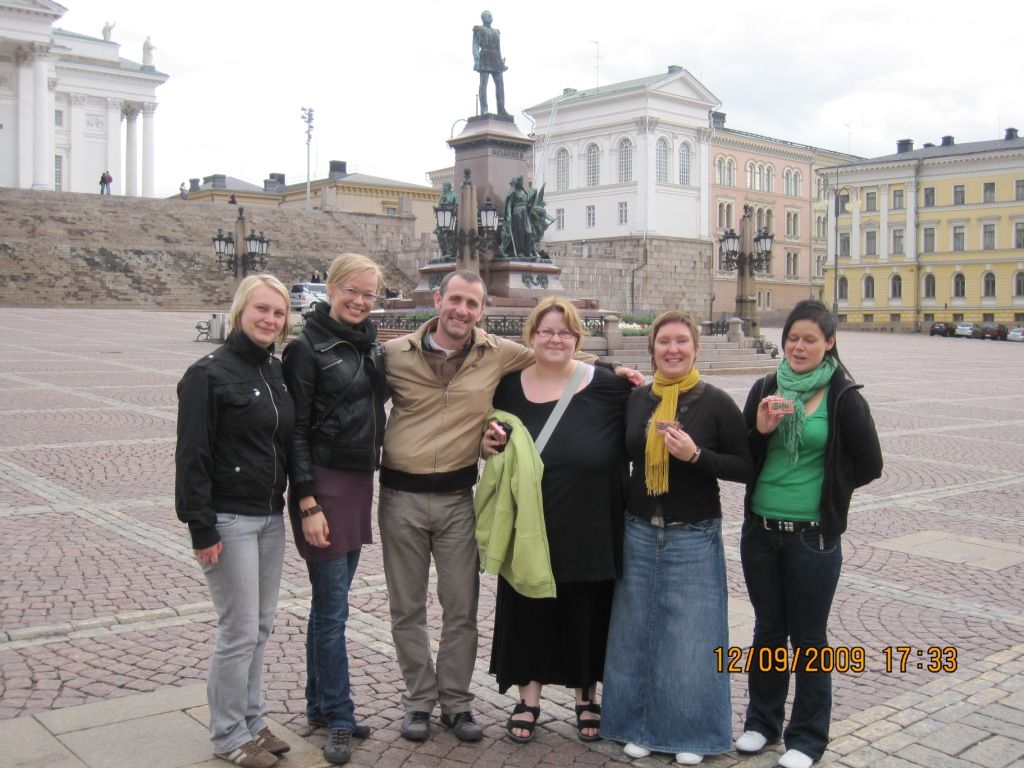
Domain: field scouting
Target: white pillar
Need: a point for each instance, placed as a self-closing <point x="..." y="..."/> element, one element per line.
<point x="41" y="122"/>
<point x="77" y="174"/>
<point x="148" y="149"/>
<point x="131" y="159"/>
<point x="23" y="57"/>
<point x="701" y="167"/>
<point x="113" y="163"/>
<point x="883" y="225"/>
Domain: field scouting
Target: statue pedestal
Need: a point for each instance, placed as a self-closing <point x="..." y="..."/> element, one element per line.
<point x="524" y="281"/>
<point x="493" y="149"/>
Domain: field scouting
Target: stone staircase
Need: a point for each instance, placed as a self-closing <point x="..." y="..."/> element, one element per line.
<point x="72" y="249"/>
<point x="717" y="356"/>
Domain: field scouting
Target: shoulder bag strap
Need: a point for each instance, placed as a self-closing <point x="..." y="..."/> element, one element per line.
<point x="560" y="406"/>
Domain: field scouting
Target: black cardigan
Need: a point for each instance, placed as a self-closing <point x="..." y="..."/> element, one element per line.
<point x="853" y="456"/>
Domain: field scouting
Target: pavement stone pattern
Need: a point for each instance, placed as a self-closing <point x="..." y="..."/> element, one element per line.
<point x="101" y="599"/>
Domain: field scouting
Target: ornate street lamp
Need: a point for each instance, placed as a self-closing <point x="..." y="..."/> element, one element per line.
<point x="254" y="249"/>
<point x="452" y="240"/>
<point x="746" y="254"/>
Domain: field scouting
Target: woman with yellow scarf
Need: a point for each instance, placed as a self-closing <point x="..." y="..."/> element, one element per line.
<point x="663" y="691"/>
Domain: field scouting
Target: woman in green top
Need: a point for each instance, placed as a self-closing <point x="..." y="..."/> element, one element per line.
<point x="813" y="442"/>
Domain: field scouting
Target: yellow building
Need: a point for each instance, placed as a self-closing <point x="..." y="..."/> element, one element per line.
<point x="935" y="233"/>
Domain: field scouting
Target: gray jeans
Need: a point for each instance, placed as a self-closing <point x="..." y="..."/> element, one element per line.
<point x="243" y="585"/>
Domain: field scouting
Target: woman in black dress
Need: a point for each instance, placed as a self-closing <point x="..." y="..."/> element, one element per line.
<point x="562" y="640"/>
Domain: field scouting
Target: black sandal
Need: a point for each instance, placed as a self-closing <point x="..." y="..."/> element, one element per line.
<point x="582" y="725"/>
<point x="522" y="725"/>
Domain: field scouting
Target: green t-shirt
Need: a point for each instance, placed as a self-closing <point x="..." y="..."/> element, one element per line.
<point x="785" y="492"/>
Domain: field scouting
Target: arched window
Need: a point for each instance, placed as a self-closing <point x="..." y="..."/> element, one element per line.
<point x="796" y="183"/>
<point x="769" y="179"/>
<point x="685" y="177"/>
<point x="625" y="161"/>
<point x="661" y="161"/>
<point x="562" y="170"/>
<point x="750" y="175"/>
<point x="959" y="286"/>
<point x="796" y="224"/>
<point x="1018" y="284"/>
<point x="759" y="181"/>
<point x="719" y="171"/>
<point x="728" y="216"/>
<point x="896" y="287"/>
<point x="869" y="287"/>
<point x="929" y="286"/>
<point x="787" y="182"/>
<point x="844" y="288"/>
<point x="730" y="173"/>
<point x="769" y="220"/>
<point x="760" y="218"/>
<point x="988" y="285"/>
<point x="593" y="165"/>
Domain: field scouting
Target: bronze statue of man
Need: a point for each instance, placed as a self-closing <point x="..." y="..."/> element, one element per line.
<point x="487" y="60"/>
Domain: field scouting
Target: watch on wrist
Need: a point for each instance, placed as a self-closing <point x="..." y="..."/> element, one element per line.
<point x="696" y="455"/>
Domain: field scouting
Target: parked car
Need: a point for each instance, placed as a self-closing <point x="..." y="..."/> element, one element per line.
<point x="305" y="295"/>
<point x="968" y="330"/>
<point x="942" y="329"/>
<point x="1017" y="334"/>
<point x="996" y="331"/>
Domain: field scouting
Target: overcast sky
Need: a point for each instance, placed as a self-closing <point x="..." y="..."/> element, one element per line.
<point x="387" y="80"/>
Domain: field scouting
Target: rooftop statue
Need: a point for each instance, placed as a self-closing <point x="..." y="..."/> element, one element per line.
<point x="147" y="52"/>
<point x="107" y="29"/>
<point x="487" y="60"/>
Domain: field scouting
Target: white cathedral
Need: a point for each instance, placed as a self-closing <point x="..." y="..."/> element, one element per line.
<point x="63" y="99"/>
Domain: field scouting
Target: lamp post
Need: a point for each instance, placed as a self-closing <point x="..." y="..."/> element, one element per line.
<point x="452" y="239"/>
<point x="834" y="190"/>
<point x="746" y="253"/>
<point x="253" y="247"/>
<point x="307" y="118"/>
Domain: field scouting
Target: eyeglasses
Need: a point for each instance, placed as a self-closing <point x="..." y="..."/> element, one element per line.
<point x="547" y="334"/>
<point x="351" y="293"/>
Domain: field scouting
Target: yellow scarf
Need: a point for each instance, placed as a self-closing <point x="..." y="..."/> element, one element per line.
<point x="656" y="454"/>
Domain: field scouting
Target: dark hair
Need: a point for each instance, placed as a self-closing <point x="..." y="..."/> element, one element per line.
<point x="819" y="314"/>
<point x="470" y="277"/>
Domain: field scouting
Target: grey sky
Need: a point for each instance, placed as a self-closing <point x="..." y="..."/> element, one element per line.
<point x="387" y="80"/>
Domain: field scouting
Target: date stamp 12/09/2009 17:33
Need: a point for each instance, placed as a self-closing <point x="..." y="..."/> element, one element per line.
<point x="843" y="659"/>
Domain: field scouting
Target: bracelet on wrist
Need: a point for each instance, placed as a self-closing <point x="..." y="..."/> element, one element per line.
<point x="696" y="455"/>
<point x="315" y="509"/>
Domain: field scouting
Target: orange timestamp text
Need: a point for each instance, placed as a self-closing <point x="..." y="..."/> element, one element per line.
<point x="842" y="659"/>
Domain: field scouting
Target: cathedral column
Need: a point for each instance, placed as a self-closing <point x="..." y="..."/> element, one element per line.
<point x="41" y="121"/>
<point x="131" y="160"/>
<point x="113" y="163"/>
<point x="148" y="148"/>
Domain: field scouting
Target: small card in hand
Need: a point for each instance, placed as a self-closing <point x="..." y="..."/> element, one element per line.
<point x="663" y="426"/>
<point x="781" y="406"/>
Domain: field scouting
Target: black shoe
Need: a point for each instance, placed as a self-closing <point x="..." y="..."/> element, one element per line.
<point x="416" y="726"/>
<point x="338" y="749"/>
<point x="360" y="731"/>
<point x="463" y="726"/>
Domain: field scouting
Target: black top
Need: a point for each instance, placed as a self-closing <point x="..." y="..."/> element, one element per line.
<point x="584" y="474"/>
<point x="235" y="421"/>
<point x="853" y="455"/>
<point x="716" y="425"/>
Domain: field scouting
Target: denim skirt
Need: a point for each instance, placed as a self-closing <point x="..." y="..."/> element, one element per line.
<point x="662" y="687"/>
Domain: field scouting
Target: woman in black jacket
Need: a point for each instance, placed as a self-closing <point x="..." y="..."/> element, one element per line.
<point x="336" y="376"/>
<point x="813" y="442"/>
<point x="234" y="431"/>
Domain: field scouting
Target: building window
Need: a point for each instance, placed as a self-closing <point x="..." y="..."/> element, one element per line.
<point x="870" y="243"/>
<point x="989" y="194"/>
<point x="844" y="244"/>
<point x="750" y="175"/>
<point x="988" y="237"/>
<point x="869" y="318"/>
<point x="759" y="181"/>
<point x="844" y="288"/>
<point x="769" y="179"/>
<point x="787" y="182"/>
<point x="958" y="238"/>
<point x="1018" y="187"/>
<point x="988" y="317"/>
<point x="869" y="287"/>
<point x="929" y="286"/>
<point x="1018" y="284"/>
<point x="929" y="197"/>
<point x="591" y="216"/>
<point x="685" y="175"/>
<point x="897" y="199"/>
<point x="58" y="173"/>
<point x="593" y="166"/>
<point x="871" y="201"/>
<point x="661" y="161"/>
<point x="730" y="173"/>
<point x="58" y="118"/>
<point x="959" y="286"/>
<point x="1018" y="235"/>
<point x="988" y="286"/>
<point x="625" y="161"/>
<point x="929" y="317"/>
<point x="896" y="287"/>
<point x="897" y="241"/>
<point x="719" y="171"/>
<point x="390" y="211"/>
<point x="792" y="264"/>
<point x="958" y="194"/>
<point x="623" y="213"/>
<point x="819" y="265"/>
<point x="728" y="215"/>
<point x="844" y="203"/>
<point x="797" y="183"/>
<point x="562" y="170"/>
<point x="559" y="218"/>
<point x="929" y="240"/>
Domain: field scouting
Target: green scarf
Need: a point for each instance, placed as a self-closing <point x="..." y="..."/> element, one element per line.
<point x="800" y="387"/>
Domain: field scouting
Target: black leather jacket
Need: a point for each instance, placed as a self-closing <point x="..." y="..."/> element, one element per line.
<point x="335" y="374"/>
<point x="234" y="430"/>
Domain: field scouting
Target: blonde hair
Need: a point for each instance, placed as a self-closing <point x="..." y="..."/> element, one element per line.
<point x="244" y="294"/>
<point x="555" y="304"/>
<point x="347" y="265"/>
<point x="672" y="316"/>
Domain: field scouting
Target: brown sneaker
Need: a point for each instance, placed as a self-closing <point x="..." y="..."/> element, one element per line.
<point x="268" y="741"/>
<point x="248" y="755"/>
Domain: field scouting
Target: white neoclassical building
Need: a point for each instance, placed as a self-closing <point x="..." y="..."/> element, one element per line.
<point x="626" y="159"/>
<point x="63" y="98"/>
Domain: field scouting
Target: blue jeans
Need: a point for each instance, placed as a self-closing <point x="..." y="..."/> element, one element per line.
<point x="791" y="579"/>
<point x="327" y="687"/>
<point x="662" y="687"/>
<point x="243" y="586"/>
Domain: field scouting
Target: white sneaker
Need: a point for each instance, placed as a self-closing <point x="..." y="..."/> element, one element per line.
<point x="751" y="742"/>
<point x="635" y="750"/>
<point x="688" y="758"/>
<point x="794" y="758"/>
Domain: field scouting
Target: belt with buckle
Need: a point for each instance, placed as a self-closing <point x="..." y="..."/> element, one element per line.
<point x="786" y="526"/>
